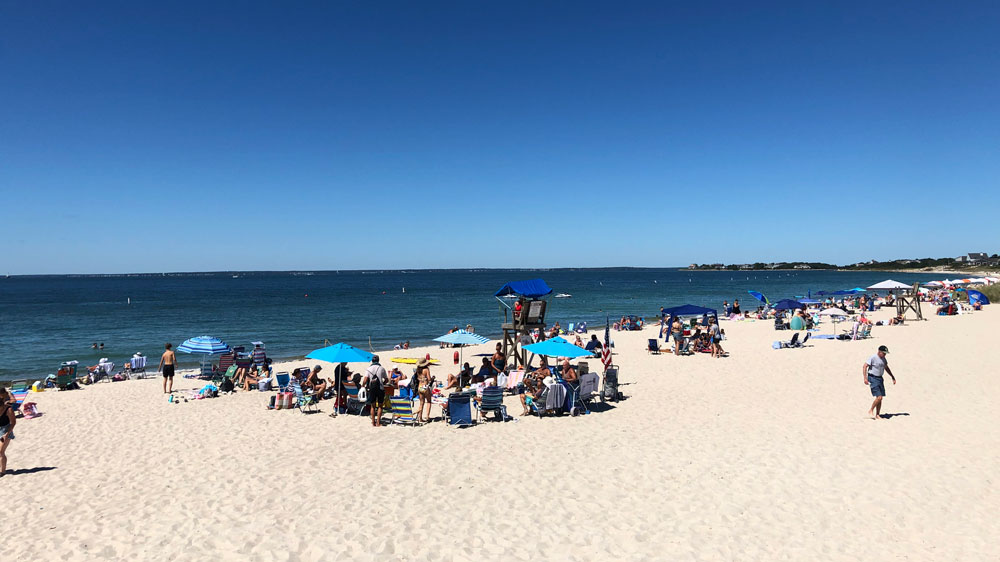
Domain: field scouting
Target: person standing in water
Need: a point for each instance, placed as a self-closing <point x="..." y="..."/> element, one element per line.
<point x="167" y="363"/>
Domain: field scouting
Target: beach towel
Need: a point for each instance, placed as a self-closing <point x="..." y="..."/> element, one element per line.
<point x="556" y="397"/>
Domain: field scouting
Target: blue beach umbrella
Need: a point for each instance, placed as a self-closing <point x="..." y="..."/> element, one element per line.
<point x="340" y="353"/>
<point x="204" y="344"/>
<point x="557" y="347"/>
<point x="758" y="296"/>
<point x="462" y="337"/>
<point x="808" y="301"/>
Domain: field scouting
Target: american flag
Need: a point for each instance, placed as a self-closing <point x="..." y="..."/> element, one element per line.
<point x="606" y="350"/>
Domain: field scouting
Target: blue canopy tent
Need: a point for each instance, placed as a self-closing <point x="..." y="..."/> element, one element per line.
<point x="687" y="310"/>
<point x="788" y="304"/>
<point x="976" y="296"/>
<point x="532" y="289"/>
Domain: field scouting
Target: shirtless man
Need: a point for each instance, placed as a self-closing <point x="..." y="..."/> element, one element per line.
<point x="315" y="382"/>
<point x="167" y="362"/>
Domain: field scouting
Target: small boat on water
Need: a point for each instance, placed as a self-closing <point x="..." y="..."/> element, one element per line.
<point x="564" y="296"/>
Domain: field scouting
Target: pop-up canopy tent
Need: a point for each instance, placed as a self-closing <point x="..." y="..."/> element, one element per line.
<point x="788" y="304"/>
<point x="689" y="310"/>
<point x="532" y="289"/>
<point x="888" y="284"/>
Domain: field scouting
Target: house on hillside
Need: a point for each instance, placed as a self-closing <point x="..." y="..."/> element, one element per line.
<point x="802" y="266"/>
<point x="976" y="258"/>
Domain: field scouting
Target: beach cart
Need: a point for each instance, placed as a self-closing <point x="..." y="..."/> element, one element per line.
<point x="609" y="389"/>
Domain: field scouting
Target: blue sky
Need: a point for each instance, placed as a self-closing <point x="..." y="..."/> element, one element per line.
<point x="180" y="137"/>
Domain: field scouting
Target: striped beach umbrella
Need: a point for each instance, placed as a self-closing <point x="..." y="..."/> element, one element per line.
<point x="204" y="344"/>
<point x="462" y="337"/>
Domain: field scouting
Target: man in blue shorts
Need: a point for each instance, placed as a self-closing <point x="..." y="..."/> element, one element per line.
<point x="872" y="371"/>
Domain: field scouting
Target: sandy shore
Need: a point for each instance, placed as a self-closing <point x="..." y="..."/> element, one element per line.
<point x="764" y="455"/>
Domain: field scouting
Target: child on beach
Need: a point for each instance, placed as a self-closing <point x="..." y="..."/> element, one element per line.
<point x="167" y="363"/>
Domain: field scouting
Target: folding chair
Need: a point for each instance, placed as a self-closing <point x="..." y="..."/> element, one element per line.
<point x="303" y="401"/>
<point x="492" y="401"/>
<point x="402" y="411"/>
<point x="653" y="346"/>
<point x="459" y="410"/>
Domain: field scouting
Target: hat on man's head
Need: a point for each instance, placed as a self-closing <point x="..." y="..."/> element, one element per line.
<point x="318" y="368"/>
<point x="883" y="349"/>
<point x="374" y="358"/>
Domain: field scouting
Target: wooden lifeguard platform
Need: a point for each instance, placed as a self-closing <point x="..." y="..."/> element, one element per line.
<point x="517" y="331"/>
<point x="910" y="300"/>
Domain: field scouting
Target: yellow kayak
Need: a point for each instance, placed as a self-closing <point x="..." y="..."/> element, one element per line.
<point x="411" y="360"/>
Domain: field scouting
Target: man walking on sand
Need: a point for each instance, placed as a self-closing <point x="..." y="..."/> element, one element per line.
<point x="872" y="371"/>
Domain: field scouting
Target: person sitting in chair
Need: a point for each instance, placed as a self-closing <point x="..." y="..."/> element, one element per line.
<point x="315" y="382"/>
<point x="462" y="380"/>
<point x="594" y="345"/>
<point x="249" y="378"/>
<point x="569" y="374"/>
<point x="532" y="387"/>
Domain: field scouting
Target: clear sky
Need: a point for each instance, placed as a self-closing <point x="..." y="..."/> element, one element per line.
<point x="174" y="136"/>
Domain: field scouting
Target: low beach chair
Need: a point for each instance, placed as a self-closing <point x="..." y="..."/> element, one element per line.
<point x="513" y="379"/>
<point x="305" y="402"/>
<point x="281" y="381"/>
<point x="19" y="391"/>
<point x="653" y="346"/>
<point x="137" y="367"/>
<point x="402" y="411"/>
<point x="584" y="394"/>
<point x="492" y="401"/>
<point x="459" y="410"/>
<point x="354" y="402"/>
<point x="794" y="342"/>
<point x="225" y="361"/>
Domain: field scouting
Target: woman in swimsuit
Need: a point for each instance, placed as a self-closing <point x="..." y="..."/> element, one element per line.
<point x="424" y="389"/>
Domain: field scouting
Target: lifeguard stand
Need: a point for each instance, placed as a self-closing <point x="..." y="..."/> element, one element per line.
<point x="910" y="300"/>
<point x="518" y="325"/>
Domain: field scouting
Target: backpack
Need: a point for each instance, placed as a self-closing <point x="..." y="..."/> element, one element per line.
<point x="374" y="381"/>
<point x="226" y="385"/>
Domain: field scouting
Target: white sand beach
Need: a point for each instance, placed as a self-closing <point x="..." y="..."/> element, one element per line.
<point x="763" y="455"/>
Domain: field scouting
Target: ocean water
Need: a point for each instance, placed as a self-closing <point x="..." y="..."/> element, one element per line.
<point x="48" y="319"/>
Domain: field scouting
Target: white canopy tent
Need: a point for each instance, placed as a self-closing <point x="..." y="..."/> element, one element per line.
<point x="888" y="284"/>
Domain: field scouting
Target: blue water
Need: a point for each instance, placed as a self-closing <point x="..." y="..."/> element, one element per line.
<point x="46" y="320"/>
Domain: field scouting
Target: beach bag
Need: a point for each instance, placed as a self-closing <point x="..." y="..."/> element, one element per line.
<point x="264" y="385"/>
<point x="776" y="345"/>
<point x="226" y="385"/>
<point x="29" y="410"/>
<point x="284" y="401"/>
<point x="270" y="403"/>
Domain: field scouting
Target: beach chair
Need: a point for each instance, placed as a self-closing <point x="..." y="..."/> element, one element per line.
<point x="282" y="381"/>
<point x="492" y="401"/>
<point x="459" y="409"/>
<point x="137" y="367"/>
<point x="653" y="346"/>
<point x="19" y="391"/>
<point x="584" y="393"/>
<point x="207" y="372"/>
<point x="779" y="323"/>
<point x="354" y="402"/>
<point x="514" y="378"/>
<point x="225" y="361"/>
<point x="305" y="402"/>
<point x="402" y="411"/>
<point x="794" y="342"/>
